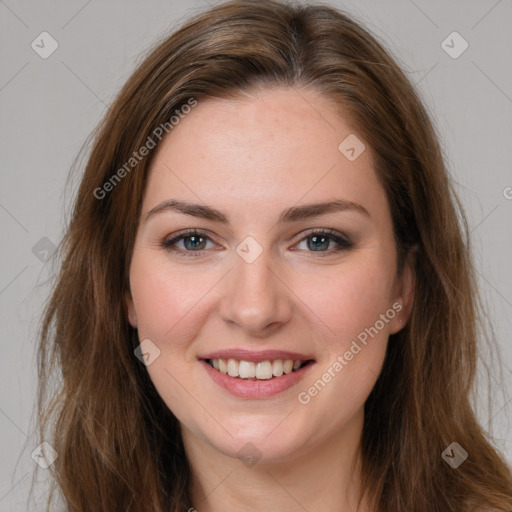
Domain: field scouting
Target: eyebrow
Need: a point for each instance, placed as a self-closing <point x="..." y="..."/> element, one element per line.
<point x="293" y="214"/>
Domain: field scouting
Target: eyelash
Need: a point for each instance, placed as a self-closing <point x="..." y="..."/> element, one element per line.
<point x="343" y="242"/>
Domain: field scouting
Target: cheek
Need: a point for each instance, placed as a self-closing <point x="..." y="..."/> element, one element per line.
<point x="348" y="299"/>
<point x="168" y="305"/>
<point x="350" y="302"/>
<point x="166" y="299"/>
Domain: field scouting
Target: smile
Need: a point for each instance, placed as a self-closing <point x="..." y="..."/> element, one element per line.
<point x="256" y="375"/>
<point x="263" y="370"/>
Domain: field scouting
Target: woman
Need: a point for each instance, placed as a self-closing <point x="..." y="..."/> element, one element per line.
<point x="266" y="299"/>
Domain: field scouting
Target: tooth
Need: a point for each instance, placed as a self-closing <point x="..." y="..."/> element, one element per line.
<point x="277" y="368"/>
<point x="264" y="370"/>
<point x="223" y="366"/>
<point x="247" y="370"/>
<point x="288" y="366"/>
<point x="232" y="368"/>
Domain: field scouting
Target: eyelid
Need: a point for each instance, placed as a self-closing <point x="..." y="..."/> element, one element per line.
<point x="325" y="231"/>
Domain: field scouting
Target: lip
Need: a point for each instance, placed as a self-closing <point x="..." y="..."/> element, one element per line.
<point x="256" y="389"/>
<point x="255" y="356"/>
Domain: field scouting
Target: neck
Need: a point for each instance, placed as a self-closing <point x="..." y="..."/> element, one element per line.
<point x="324" y="477"/>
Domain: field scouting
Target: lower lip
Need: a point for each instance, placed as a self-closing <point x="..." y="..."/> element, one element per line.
<point x="254" y="389"/>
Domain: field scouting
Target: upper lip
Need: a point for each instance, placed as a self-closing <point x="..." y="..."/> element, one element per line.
<point x="255" y="356"/>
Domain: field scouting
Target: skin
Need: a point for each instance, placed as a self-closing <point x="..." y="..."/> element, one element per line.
<point x="252" y="157"/>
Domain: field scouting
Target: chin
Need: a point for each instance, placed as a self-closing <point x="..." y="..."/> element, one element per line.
<point x="251" y="449"/>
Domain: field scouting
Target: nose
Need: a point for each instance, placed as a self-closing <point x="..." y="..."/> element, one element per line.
<point x="255" y="298"/>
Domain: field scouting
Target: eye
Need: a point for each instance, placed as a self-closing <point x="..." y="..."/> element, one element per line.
<point x="194" y="241"/>
<point x="318" y="240"/>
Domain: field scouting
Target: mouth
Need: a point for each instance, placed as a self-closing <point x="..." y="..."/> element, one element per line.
<point x="256" y="375"/>
<point x="262" y="370"/>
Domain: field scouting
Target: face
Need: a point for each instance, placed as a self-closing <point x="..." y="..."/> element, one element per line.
<point x="262" y="276"/>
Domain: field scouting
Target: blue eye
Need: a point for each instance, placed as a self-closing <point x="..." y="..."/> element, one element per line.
<point x="195" y="241"/>
<point x="322" y="239"/>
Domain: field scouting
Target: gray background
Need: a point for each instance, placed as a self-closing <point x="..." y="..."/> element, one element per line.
<point x="49" y="107"/>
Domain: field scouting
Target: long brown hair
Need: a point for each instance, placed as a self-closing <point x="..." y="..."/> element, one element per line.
<point x="119" y="446"/>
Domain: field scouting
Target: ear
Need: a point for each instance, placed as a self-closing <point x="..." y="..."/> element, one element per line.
<point x="130" y="310"/>
<point x="403" y="293"/>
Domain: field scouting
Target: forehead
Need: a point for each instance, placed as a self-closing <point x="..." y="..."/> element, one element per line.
<point x="271" y="147"/>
